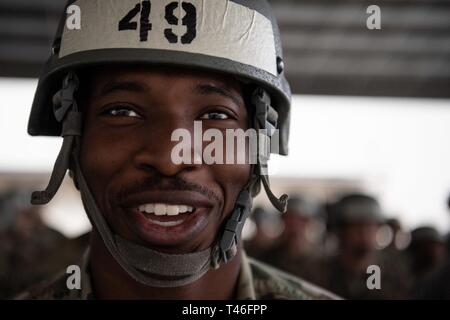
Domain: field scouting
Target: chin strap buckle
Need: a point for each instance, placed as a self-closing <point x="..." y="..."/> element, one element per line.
<point x="233" y="228"/>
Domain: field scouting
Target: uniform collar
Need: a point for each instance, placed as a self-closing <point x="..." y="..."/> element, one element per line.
<point x="245" y="286"/>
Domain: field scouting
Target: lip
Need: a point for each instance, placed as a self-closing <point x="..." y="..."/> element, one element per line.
<point x="191" y="226"/>
<point x="193" y="199"/>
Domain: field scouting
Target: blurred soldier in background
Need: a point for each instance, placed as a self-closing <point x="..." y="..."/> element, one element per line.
<point x="29" y="250"/>
<point x="267" y="228"/>
<point x="355" y="220"/>
<point x="427" y="251"/>
<point x="400" y="237"/>
<point x="299" y="245"/>
<point x="437" y="284"/>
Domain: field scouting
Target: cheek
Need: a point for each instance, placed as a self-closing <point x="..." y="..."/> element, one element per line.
<point x="232" y="178"/>
<point x="102" y="157"/>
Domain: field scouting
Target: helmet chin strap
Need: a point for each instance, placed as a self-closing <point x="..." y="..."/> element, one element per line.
<point x="146" y="266"/>
<point x="266" y="118"/>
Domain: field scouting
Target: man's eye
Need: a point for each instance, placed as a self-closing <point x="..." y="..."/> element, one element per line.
<point x="215" y="116"/>
<point x="122" y="112"/>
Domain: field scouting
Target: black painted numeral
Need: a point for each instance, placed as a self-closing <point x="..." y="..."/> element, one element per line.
<point x="146" y="26"/>
<point x="144" y="8"/>
<point x="172" y="20"/>
<point x="189" y="20"/>
<point x="125" y="23"/>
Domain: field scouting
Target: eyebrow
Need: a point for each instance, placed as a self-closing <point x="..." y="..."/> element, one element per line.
<point x="223" y="91"/>
<point x="114" y="86"/>
<point x="139" y="87"/>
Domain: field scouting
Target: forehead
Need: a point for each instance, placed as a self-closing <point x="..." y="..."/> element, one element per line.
<point x="100" y="76"/>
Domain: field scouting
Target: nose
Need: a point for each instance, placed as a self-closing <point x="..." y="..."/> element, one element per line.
<point x="160" y="149"/>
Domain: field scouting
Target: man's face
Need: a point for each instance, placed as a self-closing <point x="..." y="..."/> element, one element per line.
<point x="359" y="238"/>
<point x="129" y="117"/>
<point x="295" y="225"/>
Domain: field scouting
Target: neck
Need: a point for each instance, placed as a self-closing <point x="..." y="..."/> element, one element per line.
<point x="110" y="281"/>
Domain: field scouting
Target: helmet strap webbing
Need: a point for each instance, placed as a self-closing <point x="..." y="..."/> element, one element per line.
<point x="66" y="111"/>
<point x="266" y="118"/>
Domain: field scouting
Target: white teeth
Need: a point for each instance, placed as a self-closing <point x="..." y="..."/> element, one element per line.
<point x="161" y="209"/>
<point x="172" y="210"/>
<point x="149" y="208"/>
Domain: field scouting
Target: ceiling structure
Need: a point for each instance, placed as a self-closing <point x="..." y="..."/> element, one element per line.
<point x="328" y="48"/>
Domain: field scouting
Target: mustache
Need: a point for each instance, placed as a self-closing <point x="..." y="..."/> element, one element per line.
<point x="165" y="184"/>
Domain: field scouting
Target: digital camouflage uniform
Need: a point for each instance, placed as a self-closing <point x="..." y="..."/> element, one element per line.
<point x="330" y="273"/>
<point x="257" y="281"/>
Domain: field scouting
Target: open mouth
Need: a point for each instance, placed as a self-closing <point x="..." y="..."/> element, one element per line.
<point x="167" y="218"/>
<point x="166" y="215"/>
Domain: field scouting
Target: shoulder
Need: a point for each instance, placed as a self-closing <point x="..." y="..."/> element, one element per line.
<point x="271" y="283"/>
<point x="52" y="289"/>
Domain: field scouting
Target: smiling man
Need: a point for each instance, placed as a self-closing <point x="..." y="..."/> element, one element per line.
<point x="121" y="85"/>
